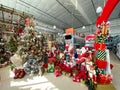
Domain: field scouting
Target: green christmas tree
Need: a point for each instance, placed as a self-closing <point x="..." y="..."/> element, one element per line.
<point x="12" y="44"/>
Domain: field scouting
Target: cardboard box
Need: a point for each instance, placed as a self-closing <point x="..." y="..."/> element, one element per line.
<point x="104" y="87"/>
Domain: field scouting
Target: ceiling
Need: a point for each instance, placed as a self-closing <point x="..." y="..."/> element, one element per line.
<point x="62" y="13"/>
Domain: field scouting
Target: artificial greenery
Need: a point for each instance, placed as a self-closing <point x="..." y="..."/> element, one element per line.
<point x="75" y="71"/>
<point x="1" y="59"/>
<point x="12" y="44"/>
<point x="11" y="67"/>
<point x="57" y="67"/>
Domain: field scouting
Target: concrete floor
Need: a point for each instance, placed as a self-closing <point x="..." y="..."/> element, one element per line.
<point x="115" y="71"/>
<point x="50" y="82"/>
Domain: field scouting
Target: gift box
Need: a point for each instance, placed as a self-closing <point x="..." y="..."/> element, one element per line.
<point x="57" y="72"/>
<point x="31" y="65"/>
<point x="104" y="79"/>
<point x="51" y="60"/>
<point x="101" y="55"/>
<point x="99" y="46"/>
<point x="104" y="87"/>
<point x="104" y="29"/>
<point x="98" y="71"/>
<point x="101" y="64"/>
<point x="100" y="38"/>
<point x="50" y="68"/>
<point x="76" y="78"/>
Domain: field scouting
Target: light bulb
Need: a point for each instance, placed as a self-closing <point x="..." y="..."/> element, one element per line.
<point x="54" y="27"/>
<point x="99" y="9"/>
<point x="83" y="27"/>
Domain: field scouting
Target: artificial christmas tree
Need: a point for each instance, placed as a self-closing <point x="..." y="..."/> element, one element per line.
<point x="31" y="48"/>
<point x="12" y="44"/>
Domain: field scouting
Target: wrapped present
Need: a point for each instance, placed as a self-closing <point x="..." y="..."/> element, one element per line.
<point x="104" y="29"/>
<point x="16" y="59"/>
<point x="51" y="60"/>
<point x="99" y="46"/>
<point x="101" y="64"/>
<point x="57" y="71"/>
<point x="104" y="78"/>
<point x="19" y="73"/>
<point x="98" y="71"/>
<point x="76" y="78"/>
<point x="100" y="38"/>
<point x="31" y="66"/>
<point x="50" y="68"/>
<point x="101" y="55"/>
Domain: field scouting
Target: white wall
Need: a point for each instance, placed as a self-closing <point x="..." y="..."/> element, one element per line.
<point x="114" y="28"/>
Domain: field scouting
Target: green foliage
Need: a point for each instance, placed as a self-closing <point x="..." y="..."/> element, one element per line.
<point x="57" y="67"/>
<point x="11" y="67"/>
<point x="100" y="38"/>
<point x="12" y="44"/>
<point x="75" y="71"/>
<point x="1" y="59"/>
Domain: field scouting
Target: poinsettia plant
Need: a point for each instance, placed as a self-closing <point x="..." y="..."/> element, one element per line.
<point x="75" y="71"/>
<point x="57" y="67"/>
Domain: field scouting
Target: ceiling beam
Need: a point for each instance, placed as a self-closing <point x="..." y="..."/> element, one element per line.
<point x="94" y="7"/>
<point x="15" y="12"/>
<point x="81" y="10"/>
<point x="70" y="12"/>
<point x="38" y="21"/>
<point x="44" y="12"/>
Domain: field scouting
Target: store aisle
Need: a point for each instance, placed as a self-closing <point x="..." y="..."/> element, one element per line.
<point x="115" y="71"/>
